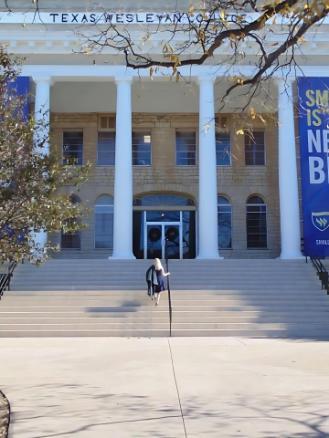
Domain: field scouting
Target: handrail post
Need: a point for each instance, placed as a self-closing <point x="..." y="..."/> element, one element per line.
<point x="168" y="287"/>
<point x="322" y="273"/>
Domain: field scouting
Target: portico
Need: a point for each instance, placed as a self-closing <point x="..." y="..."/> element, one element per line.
<point x="132" y="90"/>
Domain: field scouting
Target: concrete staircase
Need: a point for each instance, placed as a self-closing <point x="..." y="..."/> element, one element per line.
<point x="254" y="298"/>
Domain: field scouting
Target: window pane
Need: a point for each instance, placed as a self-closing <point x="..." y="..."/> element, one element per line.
<point x="256" y="226"/>
<point x="106" y="148"/>
<point x="162" y="216"/>
<point x="223" y="200"/>
<point x="188" y="234"/>
<point x="70" y="240"/>
<point x="72" y="147"/>
<point x="141" y="143"/>
<point x="224" y="223"/>
<point x="160" y="200"/>
<point x="185" y="148"/>
<point x="138" y="234"/>
<point x="255" y="149"/>
<point x="223" y="149"/>
<point x="104" y="222"/>
<point x="103" y="229"/>
<point x="255" y="200"/>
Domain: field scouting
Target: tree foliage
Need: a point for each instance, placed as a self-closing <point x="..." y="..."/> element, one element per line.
<point x="30" y="180"/>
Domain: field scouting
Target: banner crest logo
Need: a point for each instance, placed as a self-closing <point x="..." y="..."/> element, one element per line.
<point x="320" y="220"/>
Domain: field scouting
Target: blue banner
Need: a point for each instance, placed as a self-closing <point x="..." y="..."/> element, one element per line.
<point x="21" y="88"/>
<point x="314" y="158"/>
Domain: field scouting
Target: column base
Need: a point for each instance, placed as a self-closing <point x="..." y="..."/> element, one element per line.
<point x="209" y="257"/>
<point x="40" y="239"/>
<point x="295" y="256"/>
<point x="122" y="257"/>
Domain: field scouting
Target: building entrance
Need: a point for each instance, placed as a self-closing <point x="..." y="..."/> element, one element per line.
<point x="164" y="226"/>
<point x="163" y="240"/>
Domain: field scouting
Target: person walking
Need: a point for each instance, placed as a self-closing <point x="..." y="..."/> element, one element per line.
<point x="161" y="274"/>
<point x="151" y="280"/>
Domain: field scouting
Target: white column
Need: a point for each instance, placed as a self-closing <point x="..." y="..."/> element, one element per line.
<point x="42" y="111"/>
<point x="288" y="183"/>
<point x="42" y="117"/>
<point x="208" y="230"/>
<point x="123" y="176"/>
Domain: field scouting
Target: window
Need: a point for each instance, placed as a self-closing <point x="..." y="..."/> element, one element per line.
<point x="104" y="222"/>
<point x="254" y="148"/>
<point x="160" y="199"/>
<point x="71" y="240"/>
<point x="106" y="148"/>
<point x="72" y="147"/>
<point x="141" y="142"/>
<point x="224" y="212"/>
<point x="256" y="223"/>
<point x="185" y="148"/>
<point x="223" y="149"/>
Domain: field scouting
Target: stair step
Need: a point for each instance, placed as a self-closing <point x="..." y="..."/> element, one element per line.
<point x="81" y="297"/>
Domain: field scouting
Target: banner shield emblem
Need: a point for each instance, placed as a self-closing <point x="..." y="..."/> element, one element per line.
<point x="320" y="220"/>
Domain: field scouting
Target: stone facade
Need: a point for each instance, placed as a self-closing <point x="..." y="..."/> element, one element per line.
<point x="237" y="182"/>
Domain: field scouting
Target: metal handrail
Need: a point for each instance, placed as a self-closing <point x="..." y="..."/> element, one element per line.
<point x="168" y="288"/>
<point x="321" y="272"/>
<point x="6" y="278"/>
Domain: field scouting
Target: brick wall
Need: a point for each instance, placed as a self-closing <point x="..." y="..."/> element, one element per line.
<point x="237" y="181"/>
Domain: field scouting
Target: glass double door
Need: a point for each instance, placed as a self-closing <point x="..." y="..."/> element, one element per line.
<point x="163" y="240"/>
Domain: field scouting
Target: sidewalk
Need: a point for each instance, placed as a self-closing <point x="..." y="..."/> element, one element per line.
<point x="176" y="388"/>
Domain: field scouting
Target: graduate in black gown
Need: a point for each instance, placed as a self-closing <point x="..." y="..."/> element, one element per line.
<point x="161" y="274"/>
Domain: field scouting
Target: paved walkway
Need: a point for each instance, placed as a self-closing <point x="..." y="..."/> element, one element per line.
<point x="177" y="388"/>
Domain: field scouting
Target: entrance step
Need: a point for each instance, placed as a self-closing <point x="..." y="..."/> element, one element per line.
<point x="104" y="274"/>
<point x="34" y="314"/>
<point x="254" y="298"/>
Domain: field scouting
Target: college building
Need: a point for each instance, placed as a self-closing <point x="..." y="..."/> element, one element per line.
<point x="174" y="171"/>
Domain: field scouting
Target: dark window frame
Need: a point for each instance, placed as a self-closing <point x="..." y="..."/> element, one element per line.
<point x="71" y="160"/>
<point x="255" y="152"/>
<point x="110" y="212"/>
<point x="223" y="153"/>
<point x="74" y="238"/>
<point x="104" y="132"/>
<point x="223" y="205"/>
<point x="256" y="218"/>
<point x="179" y="154"/>
<point x="135" y="152"/>
<point x="163" y="199"/>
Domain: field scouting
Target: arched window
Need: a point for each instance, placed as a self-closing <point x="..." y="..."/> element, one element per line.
<point x="71" y="240"/>
<point x="224" y="211"/>
<point x="104" y="222"/>
<point x="160" y="199"/>
<point x="256" y="223"/>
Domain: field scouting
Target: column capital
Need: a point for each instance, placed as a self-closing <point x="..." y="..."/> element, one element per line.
<point x="207" y="79"/>
<point x="38" y="79"/>
<point x="285" y="90"/>
<point x="283" y="82"/>
<point x="120" y="79"/>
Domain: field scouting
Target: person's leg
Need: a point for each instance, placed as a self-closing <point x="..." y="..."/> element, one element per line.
<point x="158" y="299"/>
